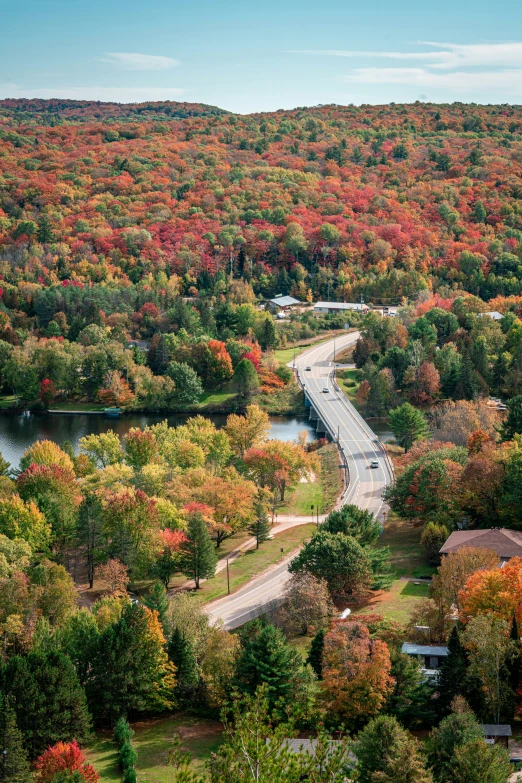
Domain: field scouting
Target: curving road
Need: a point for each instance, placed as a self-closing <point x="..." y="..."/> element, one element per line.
<point x="359" y="446"/>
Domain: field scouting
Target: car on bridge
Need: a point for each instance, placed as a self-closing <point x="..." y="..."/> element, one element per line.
<point x="326" y="390"/>
<point x="374" y="463"/>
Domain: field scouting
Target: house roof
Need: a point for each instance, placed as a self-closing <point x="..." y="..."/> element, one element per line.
<point x="285" y="301"/>
<point x="506" y="543"/>
<point x="424" y="649"/>
<point x="494" y="314"/>
<point x="341" y="305"/>
<point x="496" y="730"/>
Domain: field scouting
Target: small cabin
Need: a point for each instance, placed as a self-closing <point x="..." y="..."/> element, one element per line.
<point x="497" y="734"/>
<point x="429" y="656"/>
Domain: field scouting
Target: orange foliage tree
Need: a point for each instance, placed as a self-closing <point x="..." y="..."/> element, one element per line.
<point x="64" y="757"/>
<point x="496" y="591"/>
<point x="356" y="672"/>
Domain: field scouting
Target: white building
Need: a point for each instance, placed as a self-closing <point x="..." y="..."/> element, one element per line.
<point x="494" y="314"/>
<point x="339" y="307"/>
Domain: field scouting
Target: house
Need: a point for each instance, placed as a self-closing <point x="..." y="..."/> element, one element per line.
<point x="494" y="314"/>
<point x="496" y="734"/>
<point x="283" y="302"/>
<point x="339" y="307"/>
<point x="506" y="543"/>
<point x="430" y="656"/>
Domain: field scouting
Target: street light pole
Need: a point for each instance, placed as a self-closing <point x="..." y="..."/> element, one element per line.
<point x="294" y="357"/>
<point x="228" y="578"/>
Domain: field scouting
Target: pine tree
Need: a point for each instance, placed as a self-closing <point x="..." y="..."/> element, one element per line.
<point x="157" y="601"/>
<point x="315" y="655"/>
<point x="245" y="379"/>
<point x="453" y="672"/>
<point x="90" y="531"/>
<point x="14" y="764"/>
<point x="181" y="653"/>
<point x="408" y="425"/>
<point x="268" y="336"/>
<point x="266" y="658"/>
<point x="198" y="555"/>
<point x="260" y="527"/>
<point x="387" y="752"/>
<point x="48" y="700"/>
<point x="45" y="230"/>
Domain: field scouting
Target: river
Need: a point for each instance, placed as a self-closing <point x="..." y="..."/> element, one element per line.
<point x="19" y="431"/>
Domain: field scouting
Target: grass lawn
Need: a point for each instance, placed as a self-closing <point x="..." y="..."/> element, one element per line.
<point x="300" y="498"/>
<point x="215" y="398"/>
<point x="349" y="383"/>
<point x="397" y="603"/>
<point x="254" y="561"/>
<point x="77" y="406"/>
<point x="152" y="740"/>
<point x="324" y="491"/>
<point x="7" y="401"/>
<point x="407" y="555"/>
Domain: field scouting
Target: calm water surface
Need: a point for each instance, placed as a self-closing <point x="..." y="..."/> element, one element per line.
<point x="18" y="432"/>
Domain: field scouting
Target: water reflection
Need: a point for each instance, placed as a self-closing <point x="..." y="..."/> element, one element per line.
<point x="18" y="432"/>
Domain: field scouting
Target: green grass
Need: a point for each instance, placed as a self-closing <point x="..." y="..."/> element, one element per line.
<point x="215" y="398"/>
<point x="349" y="383"/>
<point x="77" y="406"/>
<point x="7" y="401"/>
<point x="152" y="740"/>
<point x="396" y="604"/>
<point x="300" y="498"/>
<point x="324" y="491"/>
<point x="254" y="561"/>
<point x="407" y="555"/>
<point x="289" y="400"/>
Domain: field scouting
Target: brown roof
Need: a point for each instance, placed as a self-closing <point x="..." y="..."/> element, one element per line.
<point x="506" y="543"/>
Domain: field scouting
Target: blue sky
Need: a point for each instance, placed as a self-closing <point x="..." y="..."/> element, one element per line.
<point x="261" y="56"/>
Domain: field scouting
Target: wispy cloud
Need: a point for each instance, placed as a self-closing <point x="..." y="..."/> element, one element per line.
<point x="113" y="94"/>
<point x="459" y="81"/>
<point x="134" y="61"/>
<point x="463" y="68"/>
<point x="447" y="55"/>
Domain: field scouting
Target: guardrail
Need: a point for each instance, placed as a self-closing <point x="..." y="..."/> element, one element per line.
<point x="356" y="416"/>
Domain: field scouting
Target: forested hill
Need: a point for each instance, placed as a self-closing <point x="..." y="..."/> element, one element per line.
<point x="379" y="201"/>
<point x="58" y="111"/>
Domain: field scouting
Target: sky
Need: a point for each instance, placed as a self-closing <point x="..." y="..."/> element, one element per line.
<point x="255" y="55"/>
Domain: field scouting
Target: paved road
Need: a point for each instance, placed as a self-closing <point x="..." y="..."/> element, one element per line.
<point x="359" y="445"/>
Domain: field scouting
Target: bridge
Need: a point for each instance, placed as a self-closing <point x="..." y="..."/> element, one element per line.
<point x="358" y="447"/>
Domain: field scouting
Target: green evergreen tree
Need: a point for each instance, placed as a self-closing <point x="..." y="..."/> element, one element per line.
<point x="266" y="658"/>
<point x="157" y="601"/>
<point x="45" y="230"/>
<point x="90" y="533"/>
<point x="411" y="700"/>
<point x="245" y="379"/>
<point x="130" y="670"/>
<point x="513" y="422"/>
<point x="260" y="526"/>
<point x="188" y="383"/>
<point x="47" y="698"/>
<point x="198" y="556"/>
<point x="408" y="425"/>
<point x="181" y="653"/>
<point x="453" y="672"/>
<point x="452" y="733"/>
<point x="385" y="751"/>
<point x="14" y="764"/>
<point x="356" y="522"/>
<point x="315" y="655"/>
<point x="476" y="762"/>
<point x="268" y="335"/>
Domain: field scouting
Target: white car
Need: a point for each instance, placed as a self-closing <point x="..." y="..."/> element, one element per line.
<point x="326" y="390"/>
<point x="307" y="369"/>
<point x="374" y="463"/>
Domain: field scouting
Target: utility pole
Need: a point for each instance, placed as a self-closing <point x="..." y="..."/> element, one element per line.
<point x="228" y="578"/>
<point x="294" y="357"/>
